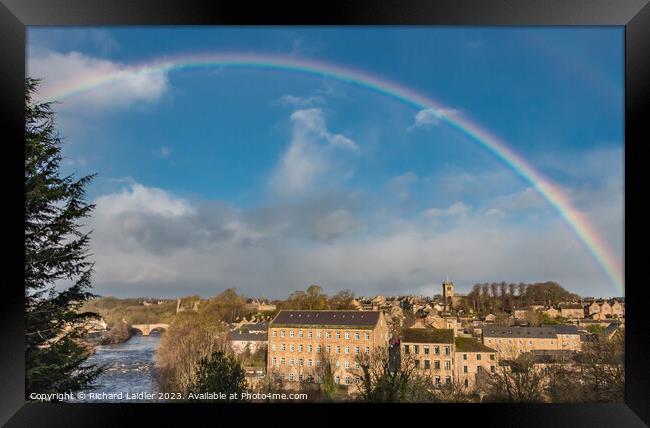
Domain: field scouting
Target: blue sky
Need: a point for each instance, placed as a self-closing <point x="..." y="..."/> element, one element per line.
<point x="271" y="180"/>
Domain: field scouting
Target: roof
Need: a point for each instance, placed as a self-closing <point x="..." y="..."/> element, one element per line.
<point x="538" y="332"/>
<point x="260" y="326"/>
<point x="248" y="337"/>
<point x="428" y="335"/>
<point x="362" y="319"/>
<point x="468" y="344"/>
<point x="571" y="306"/>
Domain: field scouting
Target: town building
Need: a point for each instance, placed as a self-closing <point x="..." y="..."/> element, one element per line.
<point x="572" y="310"/>
<point x="511" y="341"/>
<point x="431" y="351"/>
<point x="471" y="358"/>
<point x="301" y="343"/>
<point x="241" y="341"/>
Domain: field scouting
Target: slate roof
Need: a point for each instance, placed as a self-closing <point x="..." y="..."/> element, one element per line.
<point x="537" y="332"/>
<point x="428" y="335"/>
<point x="468" y="344"/>
<point x="326" y="318"/>
<point x="248" y="337"/>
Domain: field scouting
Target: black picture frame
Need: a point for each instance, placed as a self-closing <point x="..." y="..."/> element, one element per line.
<point x="634" y="15"/>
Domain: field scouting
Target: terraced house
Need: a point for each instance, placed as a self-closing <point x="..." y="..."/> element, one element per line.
<point x="510" y="342"/>
<point x="431" y="351"/>
<point x="302" y="342"/>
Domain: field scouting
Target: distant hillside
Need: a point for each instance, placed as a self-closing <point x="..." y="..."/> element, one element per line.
<point x="113" y="309"/>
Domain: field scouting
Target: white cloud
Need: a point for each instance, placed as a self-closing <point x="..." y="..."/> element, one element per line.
<point x="289" y="100"/>
<point x="457" y="209"/>
<point x="431" y="117"/>
<point x="128" y="87"/>
<point x="401" y="185"/>
<point x="138" y="198"/>
<point x="309" y="154"/>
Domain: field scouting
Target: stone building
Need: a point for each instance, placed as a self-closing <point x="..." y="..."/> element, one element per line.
<point x="471" y="358"/>
<point x="430" y="350"/>
<point x="572" y="310"/>
<point x="301" y="343"/>
<point x="510" y="342"/>
<point x="240" y="341"/>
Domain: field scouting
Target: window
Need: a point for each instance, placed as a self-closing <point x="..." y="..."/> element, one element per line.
<point x="299" y="348"/>
<point x="329" y="349"/>
<point x="491" y="369"/>
<point x="446" y="350"/>
<point x="338" y="349"/>
<point x="447" y="365"/>
<point x="282" y="361"/>
<point x="337" y="379"/>
<point x="300" y="362"/>
<point x="309" y="348"/>
<point x="317" y="363"/>
<point x="466" y="383"/>
<point x="347" y="364"/>
<point x="309" y="334"/>
<point x="464" y="356"/>
<point x="291" y="348"/>
<point x="273" y="361"/>
<point x="407" y="350"/>
<point x="478" y="357"/>
<point x="319" y="334"/>
<point x="283" y="347"/>
<point x="356" y="350"/>
<point x="356" y="365"/>
<point x="367" y="350"/>
<point x="347" y="349"/>
<point x="417" y="364"/>
<point x="347" y="380"/>
<point x="291" y="377"/>
<point x="492" y="356"/>
<point x="489" y="340"/>
<point x="437" y="380"/>
<point x="426" y="349"/>
<point x="436" y="365"/>
<point x="464" y="369"/>
<point x="338" y="334"/>
<point x="347" y="335"/>
<point x="299" y="378"/>
<point x="448" y="380"/>
<point x="275" y="333"/>
<point x="273" y="347"/>
<point x="416" y="349"/>
<point x="290" y="333"/>
<point x="328" y="335"/>
<point x="319" y="348"/>
<point x="427" y="364"/>
<point x="300" y="333"/>
<point x="309" y="362"/>
<point x="291" y="362"/>
<point x="337" y="364"/>
<point x="357" y="335"/>
<point x="367" y="336"/>
<point x="282" y="333"/>
<point x="436" y="350"/>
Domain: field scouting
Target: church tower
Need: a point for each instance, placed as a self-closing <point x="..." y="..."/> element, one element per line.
<point x="448" y="293"/>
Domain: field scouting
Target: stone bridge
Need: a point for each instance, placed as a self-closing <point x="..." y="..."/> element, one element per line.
<point x="146" y="329"/>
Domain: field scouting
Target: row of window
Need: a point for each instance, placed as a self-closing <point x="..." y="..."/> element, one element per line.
<point x="479" y="368"/>
<point x="521" y="341"/>
<point x="348" y="380"/>
<point x="310" y="363"/>
<point x="436" y="364"/>
<point x="319" y="334"/>
<point x="436" y="349"/>
<point x="478" y="357"/>
<point x="319" y="348"/>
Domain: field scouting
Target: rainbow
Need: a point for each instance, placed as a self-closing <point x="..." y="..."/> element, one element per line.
<point x="552" y="194"/>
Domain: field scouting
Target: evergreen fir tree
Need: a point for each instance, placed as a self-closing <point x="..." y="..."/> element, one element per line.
<point x="56" y="253"/>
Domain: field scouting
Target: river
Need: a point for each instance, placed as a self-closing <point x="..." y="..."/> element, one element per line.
<point x="130" y="370"/>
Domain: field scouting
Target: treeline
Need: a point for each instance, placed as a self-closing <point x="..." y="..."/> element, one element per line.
<point x="503" y="296"/>
<point x="315" y="299"/>
<point x="113" y="310"/>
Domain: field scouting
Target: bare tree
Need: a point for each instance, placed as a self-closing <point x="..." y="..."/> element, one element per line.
<point x="516" y="381"/>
